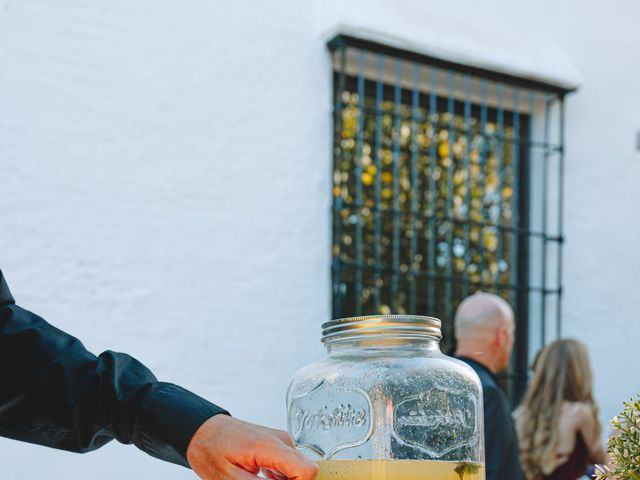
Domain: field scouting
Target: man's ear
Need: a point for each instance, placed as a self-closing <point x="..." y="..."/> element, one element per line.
<point x="501" y="337"/>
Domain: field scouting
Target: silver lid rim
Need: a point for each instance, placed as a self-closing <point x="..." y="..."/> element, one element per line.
<point x="417" y="325"/>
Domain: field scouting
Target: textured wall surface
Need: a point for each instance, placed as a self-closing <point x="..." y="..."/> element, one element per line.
<point x="165" y="185"/>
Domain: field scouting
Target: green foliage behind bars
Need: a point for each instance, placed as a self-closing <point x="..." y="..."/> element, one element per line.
<point x="460" y="206"/>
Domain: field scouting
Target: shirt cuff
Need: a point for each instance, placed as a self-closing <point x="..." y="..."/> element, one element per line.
<point x="168" y="418"/>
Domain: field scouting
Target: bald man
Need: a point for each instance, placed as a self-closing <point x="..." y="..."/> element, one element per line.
<point x="484" y="329"/>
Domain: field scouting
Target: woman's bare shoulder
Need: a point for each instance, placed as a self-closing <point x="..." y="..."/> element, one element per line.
<point x="579" y="412"/>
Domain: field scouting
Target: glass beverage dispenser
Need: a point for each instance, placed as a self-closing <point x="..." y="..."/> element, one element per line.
<point x="385" y="403"/>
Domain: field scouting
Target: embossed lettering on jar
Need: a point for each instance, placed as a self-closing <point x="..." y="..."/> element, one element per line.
<point x="385" y="403"/>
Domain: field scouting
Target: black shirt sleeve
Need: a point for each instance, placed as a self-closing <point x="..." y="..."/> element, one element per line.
<point x="54" y="392"/>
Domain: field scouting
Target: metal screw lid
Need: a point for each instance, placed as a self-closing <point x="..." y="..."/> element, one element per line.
<point x="411" y="325"/>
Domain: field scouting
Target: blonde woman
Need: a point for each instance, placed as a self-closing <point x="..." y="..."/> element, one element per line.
<point x="557" y="424"/>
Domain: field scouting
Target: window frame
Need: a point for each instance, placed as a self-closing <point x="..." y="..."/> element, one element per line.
<point x="515" y="382"/>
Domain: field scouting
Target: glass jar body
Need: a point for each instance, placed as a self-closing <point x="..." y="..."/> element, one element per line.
<point x="384" y="399"/>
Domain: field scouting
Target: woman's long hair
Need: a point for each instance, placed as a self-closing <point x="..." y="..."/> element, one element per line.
<point x="561" y="373"/>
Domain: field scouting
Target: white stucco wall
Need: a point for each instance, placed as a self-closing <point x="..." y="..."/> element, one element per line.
<point x="165" y="169"/>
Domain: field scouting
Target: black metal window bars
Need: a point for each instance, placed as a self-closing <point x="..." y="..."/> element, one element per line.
<point x="447" y="179"/>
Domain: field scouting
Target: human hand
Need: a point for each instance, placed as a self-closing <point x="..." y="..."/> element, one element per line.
<point x="224" y="448"/>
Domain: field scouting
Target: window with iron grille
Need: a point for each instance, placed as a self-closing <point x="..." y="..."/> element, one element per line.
<point x="447" y="180"/>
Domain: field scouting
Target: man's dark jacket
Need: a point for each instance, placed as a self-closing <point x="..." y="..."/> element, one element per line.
<point x="500" y="442"/>
<point x="54" y="392"/>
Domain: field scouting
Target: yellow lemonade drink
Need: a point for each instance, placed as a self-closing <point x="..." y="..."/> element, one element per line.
<point x="399" y="470"/>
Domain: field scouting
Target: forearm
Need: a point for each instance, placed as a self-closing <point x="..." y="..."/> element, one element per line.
<point x="598" y="455"/>
<point x="590" y="432"/>
<point x="56" y="393"/>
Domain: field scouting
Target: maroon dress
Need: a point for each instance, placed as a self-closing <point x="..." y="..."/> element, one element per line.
<point x="575" y="466"/>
